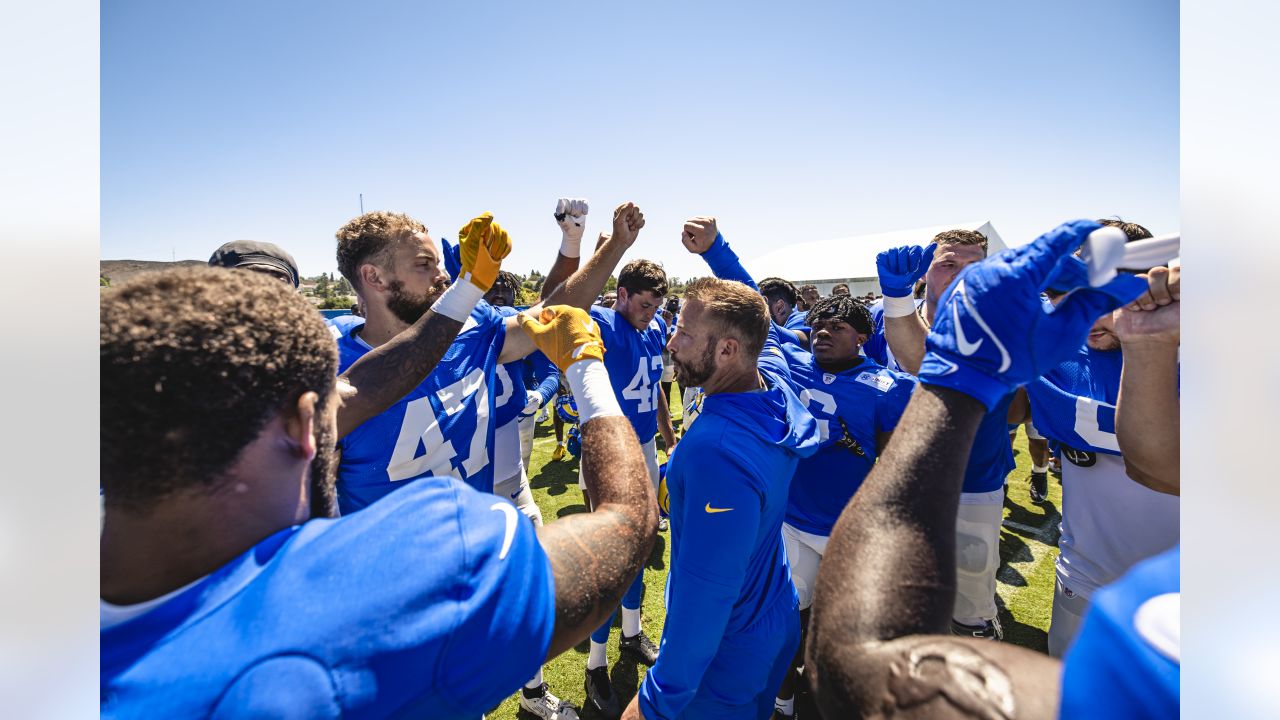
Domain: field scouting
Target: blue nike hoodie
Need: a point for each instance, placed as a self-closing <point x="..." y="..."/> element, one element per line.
<point x="727" y="486"/>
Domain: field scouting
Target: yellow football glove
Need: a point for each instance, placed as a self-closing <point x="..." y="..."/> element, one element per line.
<point x="565" y="334"/>
<point x="482" y="244"/>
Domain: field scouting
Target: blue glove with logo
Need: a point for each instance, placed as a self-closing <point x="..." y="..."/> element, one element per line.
<point x="901" y="267"/>
<point x="991" y="334"/>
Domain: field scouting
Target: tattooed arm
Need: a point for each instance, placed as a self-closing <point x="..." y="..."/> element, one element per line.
<point x="879" y="642"/>
<point x="596" y="555"/>
<point x="391" y="370"/>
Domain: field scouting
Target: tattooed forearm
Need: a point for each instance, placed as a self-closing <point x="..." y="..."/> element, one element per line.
<point x="390" y="371"/>
<point x="596" y="555"/>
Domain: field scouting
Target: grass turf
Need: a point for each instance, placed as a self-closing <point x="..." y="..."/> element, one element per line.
<point x="1028" y="548"/>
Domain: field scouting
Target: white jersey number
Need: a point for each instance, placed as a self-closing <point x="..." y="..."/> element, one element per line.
<point x="809" y="396"/>
<point x="640" y="389"/>
<point x="421" y="426"/>
<point x="504" y="387"/>
<point x="1087" y="426"/>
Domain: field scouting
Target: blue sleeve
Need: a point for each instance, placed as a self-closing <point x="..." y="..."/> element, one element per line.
<point x="724" y="263"/>
<point x="548" y="373"/>
<point x="876" y="347"/>
<point x="706" y="578"/>
<point x="890" y="406"/>
<point x="506" y="600"/>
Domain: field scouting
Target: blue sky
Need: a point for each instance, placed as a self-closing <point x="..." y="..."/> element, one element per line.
<point x="795" y="122"/>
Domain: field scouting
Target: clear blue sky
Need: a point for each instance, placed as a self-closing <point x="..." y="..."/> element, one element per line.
<point x="792" y="122"/>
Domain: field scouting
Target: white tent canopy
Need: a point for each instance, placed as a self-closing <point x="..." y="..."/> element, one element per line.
<point x="851" y="260"/>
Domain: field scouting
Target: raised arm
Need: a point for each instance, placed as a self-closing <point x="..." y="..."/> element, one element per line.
<point x="389" y="372"/>
<point x="594" y="556"/>
<point x="886" y="589"/>
<point x="571" y="216"/>
<point x="701" y="236"/>
<point x="582" y="287"/>
<point x="904" y="330"/>
<point x="1147" y="413"/>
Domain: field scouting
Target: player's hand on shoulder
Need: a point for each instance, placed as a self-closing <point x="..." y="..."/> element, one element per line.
<point x="1156" y="315"/>
<point x="482" y="244"/>
<point x="699" y="233"/>
<point x="899" y="268"/>
<point x="565" y="334"/>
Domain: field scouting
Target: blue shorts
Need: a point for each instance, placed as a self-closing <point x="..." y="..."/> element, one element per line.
<point x="748" y="668"/>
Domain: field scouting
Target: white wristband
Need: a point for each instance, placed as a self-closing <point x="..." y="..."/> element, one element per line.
<point x="899" y="306"/>
<point x="570" y="247"/>
<point x="592" y="390"/>
<point x="458" y="301"/>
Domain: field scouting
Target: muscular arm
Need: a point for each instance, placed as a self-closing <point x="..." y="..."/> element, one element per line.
<point x="596" y="555"/>
<point x="878" y="641"/>
<point x="905" y="336"/>
<point x="1147" y="422"/>
<point x="390" y="371"/>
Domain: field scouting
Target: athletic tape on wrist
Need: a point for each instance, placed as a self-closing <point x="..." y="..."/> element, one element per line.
<point x="570" y="247"/>
<point x="592" y="390"/>
<point x="899" y="306"/>
<point x="458" y="301"/>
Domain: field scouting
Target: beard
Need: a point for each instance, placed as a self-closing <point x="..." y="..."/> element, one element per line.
<point x="697" y="372"/>
<point x="324" y="490"/>
<point x="409" y="308"/>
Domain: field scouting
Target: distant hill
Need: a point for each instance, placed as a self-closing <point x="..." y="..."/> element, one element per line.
<point x="118" y="271"/>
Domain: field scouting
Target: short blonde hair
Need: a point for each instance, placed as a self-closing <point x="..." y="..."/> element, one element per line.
<point x="370" y="238"/>
<point x="736" y="311"/>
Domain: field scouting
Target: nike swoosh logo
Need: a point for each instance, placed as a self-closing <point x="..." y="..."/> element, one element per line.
<point x="510" y="533"/>
<point x="716" y="510"/>
<point x="966" y="348"/>
<point x="1005" y="360"/>
<point x="590" y="325"/>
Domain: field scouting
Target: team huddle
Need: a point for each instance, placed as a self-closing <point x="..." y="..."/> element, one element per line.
<point x="321" y="518"/>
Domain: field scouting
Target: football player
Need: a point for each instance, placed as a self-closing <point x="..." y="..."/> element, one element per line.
<point x="783" y="298"/>
<point x="886" y="588"/>
<point x="634" y="338"/>
<point x="732" y="625"/>
<point x="902" y="345"/>
<point x="1110" y="518"/>
<point x="220" y="598"/>
<point x="857" y="404"/>
<point x="444" y="426"/>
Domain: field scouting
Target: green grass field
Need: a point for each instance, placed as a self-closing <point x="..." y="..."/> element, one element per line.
<point x="1028" y="547"/>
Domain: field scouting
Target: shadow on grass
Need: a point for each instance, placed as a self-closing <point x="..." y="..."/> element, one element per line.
<point x="1022" y="634"/>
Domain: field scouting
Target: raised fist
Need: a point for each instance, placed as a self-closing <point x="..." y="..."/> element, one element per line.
<point x="699" y="233"/>
<point x="627" y="221"/>
<point x="899" y="268"/>
<point x="571" y="216"/>
<point x="1156" y="315"/>
<point x="482" y="244"/>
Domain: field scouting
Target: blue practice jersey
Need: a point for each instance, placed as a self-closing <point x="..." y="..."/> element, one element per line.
<point x="443" y="427"/>
<point x="727" y="494"/>
<point x="1126" y="661"/>
<point x="634" y="361"/>
<point x="1075" y="403"/>
<point x="437" y="602"/>
<point x="991" y="457"/>
<point x="852" y="408"/>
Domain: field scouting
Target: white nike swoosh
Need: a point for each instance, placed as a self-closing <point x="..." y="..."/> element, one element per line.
<point x="510" y="533"/>
<point x="1005" y="360"/>
<point x="966" y="348"/>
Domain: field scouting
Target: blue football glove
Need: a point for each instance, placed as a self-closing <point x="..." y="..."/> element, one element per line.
<point x="452" y="259"/>
<point x="991" y="334"/>
<point x="901" y="267"/>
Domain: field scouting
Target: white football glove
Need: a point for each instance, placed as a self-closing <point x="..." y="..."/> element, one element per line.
<point x="571" y="216"/>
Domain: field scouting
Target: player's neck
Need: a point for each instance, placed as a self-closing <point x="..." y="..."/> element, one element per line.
<point x="841" y="365"/>
<point x="380" y="325"/>
<point x="185" y="537"/>
<point x="735" y="380"/>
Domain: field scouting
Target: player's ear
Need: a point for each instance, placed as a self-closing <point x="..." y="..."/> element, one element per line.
<point x="371" y="276"/>
<point x="862" y="339"/>
<point x="300" y="424"/>
<point x="728" y="349"/>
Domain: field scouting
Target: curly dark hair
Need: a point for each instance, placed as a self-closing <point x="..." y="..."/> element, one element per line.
<point x="507" y="279"/>
<point x="194" y="362"/>
<point x="962" y="237"/>
<point x="843" y="308"/>
<point x="737" y="310"/>
<point x="372" y="237"/>
<point x="773" y="288"/>
<point x="640" y="275"/>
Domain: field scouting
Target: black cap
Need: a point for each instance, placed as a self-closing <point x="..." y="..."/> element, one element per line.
<point x="256" y="255"/>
